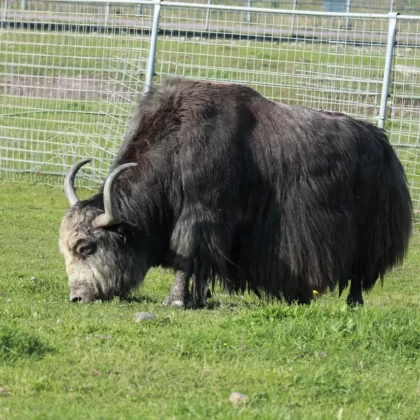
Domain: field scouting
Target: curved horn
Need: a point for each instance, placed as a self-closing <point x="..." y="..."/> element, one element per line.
<point x="110" y="216"/>
<point x="69" y="182"/>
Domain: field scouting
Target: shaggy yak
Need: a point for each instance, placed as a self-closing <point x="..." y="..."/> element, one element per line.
<point x="218" y="182"/>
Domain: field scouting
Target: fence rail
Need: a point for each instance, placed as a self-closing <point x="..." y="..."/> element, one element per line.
<point x="71" y="72"/>
<point x="406" y="7"/>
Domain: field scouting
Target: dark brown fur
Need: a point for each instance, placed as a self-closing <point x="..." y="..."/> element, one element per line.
<point x="281" y="200"/>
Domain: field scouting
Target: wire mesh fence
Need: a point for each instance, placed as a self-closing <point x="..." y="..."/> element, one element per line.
<point x="315" y="65"/>
<point x="70" y="73"/>
<point x="403" y="113"/>
<point x="408" y="7"/>
<point x="68" y="80"/>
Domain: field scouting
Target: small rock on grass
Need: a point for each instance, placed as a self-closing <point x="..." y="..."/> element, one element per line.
<point x="238" y="397"/>
<point x="4" y="391"/>
<point x="144" y="316"/>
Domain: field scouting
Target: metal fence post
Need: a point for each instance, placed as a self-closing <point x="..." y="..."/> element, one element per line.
<point x="249" y="17"/>
<point x="208" y="13"/>
<point x="6" y="6"/>
<point x="152" y="51"/>
<point x="106" y="12"/>
<point x="392" y="29"/>
<point x="292" y="25"/>
<point x="348" y="10"/>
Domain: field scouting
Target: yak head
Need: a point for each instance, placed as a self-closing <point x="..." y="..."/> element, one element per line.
<point x="99" y="248"/>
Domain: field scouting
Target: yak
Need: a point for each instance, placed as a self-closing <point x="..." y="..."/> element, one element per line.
<point x="224" y="185"/>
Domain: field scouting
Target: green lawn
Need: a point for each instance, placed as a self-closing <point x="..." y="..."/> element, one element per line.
<point x="62" y="360"/>
<point x="66" y="95"/>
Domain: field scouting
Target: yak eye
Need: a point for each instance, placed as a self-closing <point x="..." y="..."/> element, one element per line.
<point x="85" y="248"/>
<point x="123" y="239"/>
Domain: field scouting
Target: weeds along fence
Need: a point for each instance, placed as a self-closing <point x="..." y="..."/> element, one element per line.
<point x="71" y="72"/>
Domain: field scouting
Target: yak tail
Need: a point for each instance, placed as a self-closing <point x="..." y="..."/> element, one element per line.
<point x="386" y="234"/>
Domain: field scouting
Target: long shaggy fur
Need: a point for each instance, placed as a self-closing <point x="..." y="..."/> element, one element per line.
<point x="279" y="199"/>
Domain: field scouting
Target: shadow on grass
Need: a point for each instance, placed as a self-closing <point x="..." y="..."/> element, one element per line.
<point x="140" y="299"/>
<point x="18" y="344"/>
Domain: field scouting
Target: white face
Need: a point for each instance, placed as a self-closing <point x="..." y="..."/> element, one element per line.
<point x="100" y="263"/>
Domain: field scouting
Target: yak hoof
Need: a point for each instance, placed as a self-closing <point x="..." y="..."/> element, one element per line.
<point x="199" y="303"/>
<point x="176" y="302"/>
<point x="200" y="294"/>
<point x="354" y="301"/>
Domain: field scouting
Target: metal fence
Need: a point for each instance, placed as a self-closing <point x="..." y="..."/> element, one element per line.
<point x="71" y="72"/>
<point x="407" y="7"/>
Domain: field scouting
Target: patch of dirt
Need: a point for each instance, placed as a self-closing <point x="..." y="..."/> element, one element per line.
<point x="4" y="391"/>
<point x="63" y="87"/>
<point x="407" y="70"/>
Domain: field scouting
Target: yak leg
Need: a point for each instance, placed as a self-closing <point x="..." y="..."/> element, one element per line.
<point x="355" y="296"/>
<point x="200" y="293"/>
<point x="179" y="295"/>
<point x="298" y="292"/>
<point x="200" y="287"/>
<point x="304" y="295"/>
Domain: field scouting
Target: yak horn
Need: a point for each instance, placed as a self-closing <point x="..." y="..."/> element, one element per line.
<point x="69" y="182"/>
<point x="110" y="206"/>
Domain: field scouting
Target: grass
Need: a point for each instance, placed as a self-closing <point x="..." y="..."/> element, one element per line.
<point x="64" y="360"/>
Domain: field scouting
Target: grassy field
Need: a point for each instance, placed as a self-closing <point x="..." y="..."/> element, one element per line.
<point x="66" y="95"/>
<point x="64" y="360"/>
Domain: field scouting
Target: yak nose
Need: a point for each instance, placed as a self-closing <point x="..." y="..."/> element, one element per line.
<point x="76" y="296"/>
<point x="82" y="296"/>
